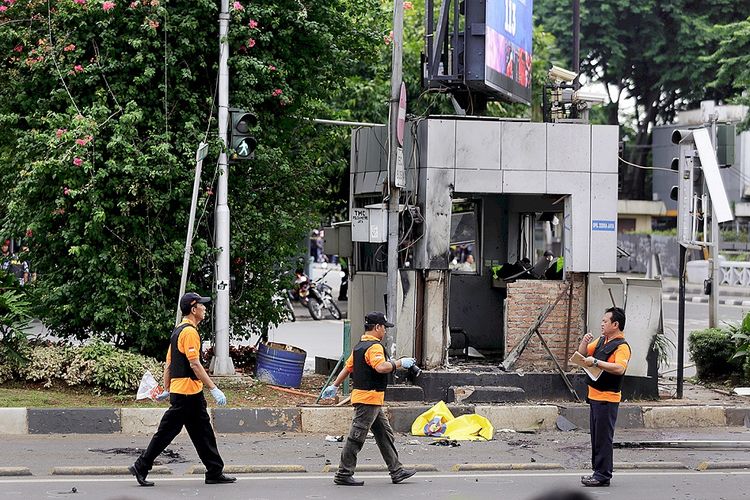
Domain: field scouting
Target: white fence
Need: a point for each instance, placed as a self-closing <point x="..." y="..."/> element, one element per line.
<point x="735" y="273"/>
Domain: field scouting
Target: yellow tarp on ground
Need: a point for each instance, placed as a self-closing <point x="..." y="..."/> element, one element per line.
<point x="438" y="421"/>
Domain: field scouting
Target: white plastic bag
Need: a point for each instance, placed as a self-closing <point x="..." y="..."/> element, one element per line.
<point x="149" y="388"/>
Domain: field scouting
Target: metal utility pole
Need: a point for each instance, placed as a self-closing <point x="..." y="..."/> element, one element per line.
<point x="713" y="304"/>
<point x="577" y="41"/>
<point x="199" y="156"/>
<point x="222" y="363"/>
<point x="394" y="192"/>
<point x="681" y="325"/>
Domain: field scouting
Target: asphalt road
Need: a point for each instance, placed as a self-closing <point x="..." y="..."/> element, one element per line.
<point x="507" y="485"/>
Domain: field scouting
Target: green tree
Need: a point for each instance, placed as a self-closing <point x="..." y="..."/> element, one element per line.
<point x="646" y="50"/>
<point x="733" y="60"/>
<point x="103" y="105"/>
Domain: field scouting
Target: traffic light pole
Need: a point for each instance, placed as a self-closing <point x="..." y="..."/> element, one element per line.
<point x="394" y="192"/>
<point x="222" y="363"/>
<point x="713" y="303"/>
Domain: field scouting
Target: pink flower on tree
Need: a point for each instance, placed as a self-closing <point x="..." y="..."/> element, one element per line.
<point x="237" y="6"/>
<point x="84" y="141"/>
<point x="29" y="233"/>
<point x="77" y="161"/>
<point x="153" y="24"/>
<point x="253" y="24"/>
<point x="3" y="8"/>
<point x="69" y="48"/>
<point x="272" y="67"/>
<point x="251" y="43"/>
<point x="80" y="2"/>
<point x="66" y="190"/>
<point x="60" y="132"/>
<point x="18" y="48"/>
<point x="408" y="6"/>
<point x="107" y="6"/>
<point x="78" y="68"/>
<point x="388" y="38"/>
<point x="134" y="5"/>
<point x="276" y="92"/>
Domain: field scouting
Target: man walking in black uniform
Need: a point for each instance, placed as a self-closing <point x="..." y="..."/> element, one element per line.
<point x="611" y="353"/>
<point x="184" y="378"/>
<point x="371" y="366"/>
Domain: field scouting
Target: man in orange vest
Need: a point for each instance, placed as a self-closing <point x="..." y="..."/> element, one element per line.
<point x="370" y="365"/>
<point x="184" y="378"/>
<point x="611" y="353"/>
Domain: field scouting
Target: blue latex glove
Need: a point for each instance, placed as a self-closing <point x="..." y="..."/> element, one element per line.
<point x="407" y="362"/>
<point x="164" y="395"/>
<point x="219" y="396"/>
<point x="330" y="392"/>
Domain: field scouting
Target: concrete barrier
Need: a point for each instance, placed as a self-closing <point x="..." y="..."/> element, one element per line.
<point x="331" y="420"/>
<point x="13" y="421"/>
<point x="519" y="418"/>
<point x="683" y="416"/>
<point x="73" y="420"/>
<point x="236" y="420"/>
<point x="141" y="420"/>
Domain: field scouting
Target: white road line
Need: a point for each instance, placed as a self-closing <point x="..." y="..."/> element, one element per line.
<point x="302" y="477"/>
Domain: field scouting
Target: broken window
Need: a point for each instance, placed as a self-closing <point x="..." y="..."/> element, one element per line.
<point x="464" y="248"/>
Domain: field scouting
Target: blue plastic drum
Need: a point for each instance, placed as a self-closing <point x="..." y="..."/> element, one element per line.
<point x="280" y="364"/>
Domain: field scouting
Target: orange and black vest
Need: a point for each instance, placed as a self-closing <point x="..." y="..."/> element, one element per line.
<point x="179" y="366"/>
<point x="607" y="381"/>
<point x="366" y="378"/>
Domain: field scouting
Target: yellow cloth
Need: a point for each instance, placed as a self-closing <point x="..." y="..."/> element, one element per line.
<point x="438" y="421"/>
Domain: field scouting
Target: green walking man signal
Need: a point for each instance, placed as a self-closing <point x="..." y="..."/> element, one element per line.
<point x="242" y="144"/>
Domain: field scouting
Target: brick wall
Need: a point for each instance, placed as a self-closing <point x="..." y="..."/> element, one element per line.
<point x="526" y="299"/>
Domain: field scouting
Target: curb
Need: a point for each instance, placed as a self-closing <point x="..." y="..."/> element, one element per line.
<point x="251" y="469"/>
<point x="702" y="299"/>
<point x="722" y="465"/>
<point x="647" y="465"/>
<point x="506" y="466"/>
<point x="14" y="471"/>
<point x="104" y="470"/>
<point x="333" y="420"/>
<point x="384" y="468"/>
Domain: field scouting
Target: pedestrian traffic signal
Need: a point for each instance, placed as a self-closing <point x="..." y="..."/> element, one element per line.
<point x="241" y="141"/>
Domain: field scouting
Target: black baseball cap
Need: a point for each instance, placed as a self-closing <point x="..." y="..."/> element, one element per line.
<point x="377" y="318"/>
<point x="190" y="299"/>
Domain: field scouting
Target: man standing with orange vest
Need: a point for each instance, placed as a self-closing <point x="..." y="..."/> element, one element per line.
<point x="611" y="353"/>
<point x="370" y="365"/>
<point x="184" y="378"/>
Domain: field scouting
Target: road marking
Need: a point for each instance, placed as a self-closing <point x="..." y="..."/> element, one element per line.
<point x="301" y="477"/>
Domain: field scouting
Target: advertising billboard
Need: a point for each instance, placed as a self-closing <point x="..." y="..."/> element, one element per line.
<point x="508" y="33"/>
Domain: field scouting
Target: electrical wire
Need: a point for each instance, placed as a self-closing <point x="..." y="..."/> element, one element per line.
<point x="643" y="167"/>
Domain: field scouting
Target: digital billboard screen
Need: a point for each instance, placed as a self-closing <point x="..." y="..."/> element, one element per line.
<point x="508" y="34"/>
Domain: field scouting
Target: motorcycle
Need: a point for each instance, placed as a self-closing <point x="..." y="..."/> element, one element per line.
<point x="320" y="296"/>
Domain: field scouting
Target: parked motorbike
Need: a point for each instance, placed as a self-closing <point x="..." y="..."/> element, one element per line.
<point x="320" y="297"/>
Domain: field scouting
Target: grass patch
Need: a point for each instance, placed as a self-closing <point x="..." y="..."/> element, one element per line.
<point x="244" y="392"/>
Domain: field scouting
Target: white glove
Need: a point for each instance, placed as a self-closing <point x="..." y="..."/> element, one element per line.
<point x="407" y="362"/>
<point x="164" y="395"/>
<point x="330" y="392"/>
<point x="219" y="396"/>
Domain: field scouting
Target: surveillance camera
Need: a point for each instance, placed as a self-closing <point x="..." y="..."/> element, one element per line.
<point x="590" y="97"/>
<point x="560" y="74"/>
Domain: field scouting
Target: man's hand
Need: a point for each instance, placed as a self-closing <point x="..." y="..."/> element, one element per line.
<point x="589" y="361"/>
<point x="587" y="338"/>
<point x="219" y="396"/>
<point x="330" y="392"/>
<point x="164" y="395"/>
<point x="407" y="363"/>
